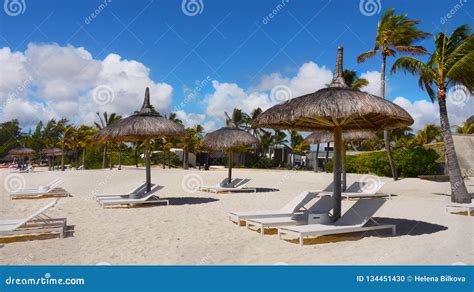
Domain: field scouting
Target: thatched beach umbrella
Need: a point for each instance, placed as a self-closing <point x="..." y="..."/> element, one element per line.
<point x="228" y="139"/>
<point x="142" y="126"/>
<point x="318" y="137"/>
<point x="21" y="152"/>
<point x="335" y="108"/>
<point x="52" y="153"/>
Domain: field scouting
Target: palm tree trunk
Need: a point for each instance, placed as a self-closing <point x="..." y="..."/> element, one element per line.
<point x="386" y="139"/>
<point x="459" y="192"/>
<point x="104" y="155"/>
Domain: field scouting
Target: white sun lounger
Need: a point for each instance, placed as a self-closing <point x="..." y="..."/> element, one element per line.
<point x="148" y="198"/>
<point x="458" y="207"/>
<point x="37" y="223"/>
<point x="291" y="207"/>
<point x="235" y="184"/>
<point x="50" y="189"/>
<point x="223" y="183"/>
<point x="136" y="191"/>
<point x="359" y="190"/>
<point x="355" y="219"/>
<point x="322" y="206"/>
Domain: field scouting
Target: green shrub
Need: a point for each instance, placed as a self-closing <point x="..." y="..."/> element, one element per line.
<point x="265" y="162"/>
<point x="410" y="162"/>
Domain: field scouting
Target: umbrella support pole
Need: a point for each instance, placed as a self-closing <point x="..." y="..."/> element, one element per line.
<point x="336" y="196"/>
<point x="147" y="165"/>
<point x="229" y="179"/>
<point x="344" y="167"/>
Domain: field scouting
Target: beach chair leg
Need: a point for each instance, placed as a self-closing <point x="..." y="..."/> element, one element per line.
<point x="262" y="229"/>
<point x="301" y="241"/>
<point x="394" y="230"/>
<point x="279" y="234"/>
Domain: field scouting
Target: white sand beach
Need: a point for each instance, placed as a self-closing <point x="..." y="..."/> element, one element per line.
<point x="195" y="230"/>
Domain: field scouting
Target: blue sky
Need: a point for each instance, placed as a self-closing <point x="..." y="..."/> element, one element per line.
<point x="230" y="42"/>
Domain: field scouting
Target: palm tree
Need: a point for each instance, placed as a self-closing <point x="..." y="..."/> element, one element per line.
<point x="296" y="141"/>
<point x="190" y="142"/>
<point x="467" y="127"/>
<point x="84" y="136"/>
<point x="430" y="133"/>
<point x="266" y="141"/>
<point x="451" y="64"/>
<point x="395" y="34"/>
<point x="238" y="119"/>
<point x="105" y="121"/>
<point x="279" y="138"/>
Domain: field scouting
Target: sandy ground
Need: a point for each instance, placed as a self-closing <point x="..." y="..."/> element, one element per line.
<point x="195" y="229"/>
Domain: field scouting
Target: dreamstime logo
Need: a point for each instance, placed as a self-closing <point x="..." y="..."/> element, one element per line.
<point x="191" y="182"/>
<point x="89" y="18"/>
<point x="14" y="182"/>
<point x="370" y="7"/>
<point x="267" y="18"/>
<point x="14" y="7"/>
<point x="370" y="183"/>
<point x="103" y="95"/>
<point x="193" y="94"/>
<point x="459" y="95"/>
<point x="281" y="93"/>
<point x="453" y="11"/>
<point x="192" y="7"/>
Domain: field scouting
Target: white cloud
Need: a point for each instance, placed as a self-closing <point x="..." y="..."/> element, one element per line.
<point x="425" y="112"/>
<point x="309" y="78"/>
<point x="227" y="96"/>
<point x="191" y="119"/>
<point x="374" y="83"/>
<point x="60" y="81"/>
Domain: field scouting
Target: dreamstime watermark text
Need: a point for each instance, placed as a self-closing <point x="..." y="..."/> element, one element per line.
<point x="46" y="280"/>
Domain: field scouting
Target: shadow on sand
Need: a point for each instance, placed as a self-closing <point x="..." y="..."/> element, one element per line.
<point x="190" y="200"/>
<point x="411" y="227"/>
<point x="404" y="227"/>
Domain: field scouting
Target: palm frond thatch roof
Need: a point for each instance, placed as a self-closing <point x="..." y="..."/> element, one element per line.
<point x="336" y="105"/>
<point x="318" y="137"/>
<point x="227" y="138"/>
<point x="52" y="152"/>
<point x="146" y="124"/>
<point x="21" y="151"/>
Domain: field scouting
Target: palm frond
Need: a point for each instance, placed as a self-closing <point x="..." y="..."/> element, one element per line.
<point x="364" y="56"/>
<point x="361" y="82"/>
